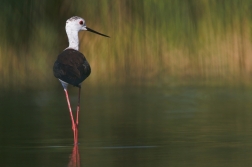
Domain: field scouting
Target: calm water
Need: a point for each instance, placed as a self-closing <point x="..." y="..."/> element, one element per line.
<point x="128" y="126"/>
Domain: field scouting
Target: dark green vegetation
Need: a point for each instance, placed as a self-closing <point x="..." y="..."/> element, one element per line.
<point x="152" y="41"/>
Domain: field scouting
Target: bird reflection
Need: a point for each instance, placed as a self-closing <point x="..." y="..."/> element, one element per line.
<point x="74" y="157"/>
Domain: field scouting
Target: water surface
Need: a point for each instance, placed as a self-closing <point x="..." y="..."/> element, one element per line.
<point x="128" y="126"/>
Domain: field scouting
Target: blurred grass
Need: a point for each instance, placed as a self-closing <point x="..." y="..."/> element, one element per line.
<point x="165" y="41"/>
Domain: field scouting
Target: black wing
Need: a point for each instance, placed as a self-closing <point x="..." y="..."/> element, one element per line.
<point x="72" y="67"/>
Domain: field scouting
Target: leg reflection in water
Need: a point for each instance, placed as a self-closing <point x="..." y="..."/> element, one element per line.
<point x="74" y="157"/>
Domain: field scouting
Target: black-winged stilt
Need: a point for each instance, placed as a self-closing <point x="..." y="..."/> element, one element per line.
<point x="71" y="66"/>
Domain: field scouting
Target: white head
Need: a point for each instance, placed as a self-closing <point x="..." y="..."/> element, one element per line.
<point x="75" y="23"/>
<point x="73" y="26"/>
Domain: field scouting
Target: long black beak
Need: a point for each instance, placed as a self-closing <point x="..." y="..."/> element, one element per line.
<point x="88" y="29"/>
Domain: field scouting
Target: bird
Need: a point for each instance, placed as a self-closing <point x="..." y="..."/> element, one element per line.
<point x="71" y="66"/>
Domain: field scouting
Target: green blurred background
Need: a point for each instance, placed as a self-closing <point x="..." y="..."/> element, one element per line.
<point x="152" y="41"/>
<point x="171" y="87"/>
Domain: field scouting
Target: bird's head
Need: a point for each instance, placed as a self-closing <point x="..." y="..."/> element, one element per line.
<point x="76" y="23"/>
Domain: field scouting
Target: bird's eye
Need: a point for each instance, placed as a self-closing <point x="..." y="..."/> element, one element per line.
<point x="81" y="22"/>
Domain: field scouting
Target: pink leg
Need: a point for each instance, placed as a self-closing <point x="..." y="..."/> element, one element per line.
<point x="78" y="108"/>
<point x="76" y="135"/>
<point x="77" y="116"/>
<point x="72" y="119"/>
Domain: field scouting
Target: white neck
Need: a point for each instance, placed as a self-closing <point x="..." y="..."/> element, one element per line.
<point x="73" y="38"/>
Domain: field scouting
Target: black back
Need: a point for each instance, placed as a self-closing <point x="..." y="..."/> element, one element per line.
<point x="71" y="67"/>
